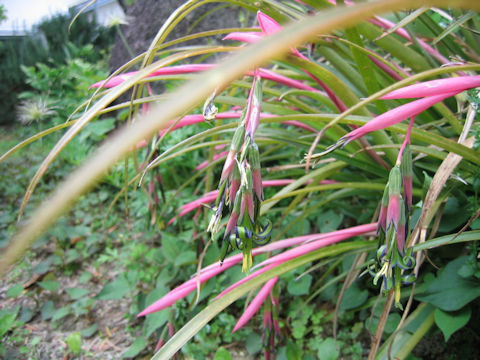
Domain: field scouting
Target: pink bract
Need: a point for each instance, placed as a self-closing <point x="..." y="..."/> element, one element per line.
<point x="396" y="115"/>
<point x="248" y="37"/>
<point x="256" y="303"/>
<point x="435" y="87"/>
<point x="186" y="69"/>
<point x="267" y="24"/>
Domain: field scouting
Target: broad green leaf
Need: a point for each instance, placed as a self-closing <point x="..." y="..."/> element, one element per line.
<point x="171" y="246"/>
<point x="60" y="313"/>
<point x="134" y="349"/>
<point x="222" y="354"/>
<point x="49" y="285"/>
<point x="48" y="309"/>
<point x="392" y="323"/>
<point x="327" y="350"/>
<point x="155" y="321"/>
<point x="116" y="290"/>
<point x="449" y="291"/>
<point x="254" y="343"/>
<point x="353" y="297"/>
<point x="97" y="130"/>
<point x="476" y="224"/>
<point x="185" y="257"/>
<point x="329" y="221"/>
<point x="293" y="351"/>
<point x="7" y="320"/>
<point x="453" y="216"/>
<point x="156" y="294"/>
<point x="26" y="314"/>
<point x="90" y="331"/>
<point x="77" y="293"/>
<point x="15" y="290"/>
<point x="42" y="267"/>
<point x="449" y="322"/>
<point x="74" y="342"/>
<point x="300" y="286"/>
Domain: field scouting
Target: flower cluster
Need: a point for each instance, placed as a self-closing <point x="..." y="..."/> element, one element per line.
<point x="240" y="190"/>
<point x="395" y="263"/>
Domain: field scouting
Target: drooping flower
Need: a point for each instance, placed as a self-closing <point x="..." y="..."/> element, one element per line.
<point x="254" y="102"/>
<point x="254" y="160"/>
<point x="394" y="198"/>
<point x="230" y="162"/>
<point x="394" y="263"/>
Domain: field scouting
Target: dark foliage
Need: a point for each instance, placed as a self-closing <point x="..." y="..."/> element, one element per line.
<point x="48" y="43"/>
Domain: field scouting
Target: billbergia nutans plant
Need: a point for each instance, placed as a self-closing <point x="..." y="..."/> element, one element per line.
<point x="335" y="146"/>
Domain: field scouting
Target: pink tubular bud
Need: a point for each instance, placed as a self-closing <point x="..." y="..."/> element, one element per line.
<point x="151" y="187"/>
<point x="394" y="198"/>
<point x="254" y="106"/>
<point x="393" y="211"/>
<point x="232" y="222"/>
<point x="171" y="329"/>
<point x="234" y="186"/>
<point x="267" y="354"/>
<point x="276" y="327"/>
<point x="230" y="163"/>
<point x="257" y="184"/>
<point x="401" y="230"/>
<point x="382" y="218"/>
<point x="159" y="344"/>
<point x="267" y="319"/>
<point x="247" y="199"/>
